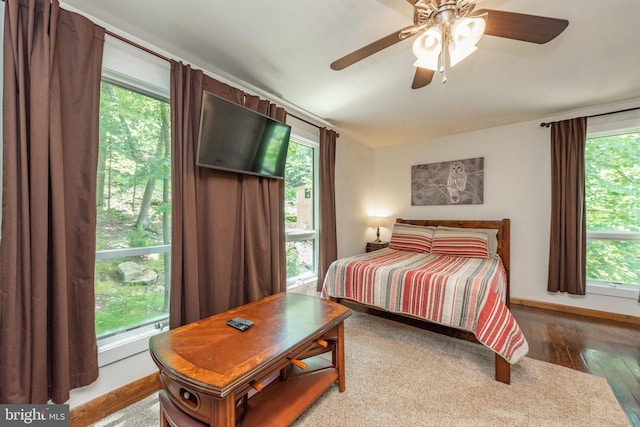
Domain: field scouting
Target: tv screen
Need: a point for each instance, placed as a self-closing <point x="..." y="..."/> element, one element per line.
<point x="236" y="139"/>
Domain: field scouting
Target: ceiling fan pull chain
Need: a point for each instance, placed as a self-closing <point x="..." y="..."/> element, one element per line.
<point x="443" y="68"/>
<point x="443" y="56"/>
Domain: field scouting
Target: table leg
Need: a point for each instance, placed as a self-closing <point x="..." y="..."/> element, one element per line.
<point x="163" y="420"/>
<point x="340" y="357"/>
<point x="223" y="413"/>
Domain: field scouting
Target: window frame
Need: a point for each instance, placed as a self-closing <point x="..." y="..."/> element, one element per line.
<point x="307" y="278"/>
<point x="600" y="127"/>
<point x="146" y="75"/>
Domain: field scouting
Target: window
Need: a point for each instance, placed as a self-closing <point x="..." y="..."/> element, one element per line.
<point x="612" y="190"/>
<point x="133" y="201"/>
<point x="301" y="211"/>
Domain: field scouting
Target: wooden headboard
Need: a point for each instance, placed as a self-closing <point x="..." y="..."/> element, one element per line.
<point x="504" y="237"/>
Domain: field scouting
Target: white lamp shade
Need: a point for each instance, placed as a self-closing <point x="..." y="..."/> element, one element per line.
<point x="427" y="48"/>
<point x="456" y="54"/>
<point x="466" y="32"/>
<point x="377" y="221"/>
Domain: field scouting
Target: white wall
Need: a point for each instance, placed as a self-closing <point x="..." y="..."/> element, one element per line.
<point x="517" y="186"/>
<point x="354" y="197"/>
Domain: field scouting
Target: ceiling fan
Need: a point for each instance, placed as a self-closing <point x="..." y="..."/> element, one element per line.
<point x="449" y="30"/>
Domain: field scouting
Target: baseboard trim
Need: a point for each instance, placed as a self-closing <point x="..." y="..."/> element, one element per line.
<point x="578" y="310"/>
<point x="120" y="398"/>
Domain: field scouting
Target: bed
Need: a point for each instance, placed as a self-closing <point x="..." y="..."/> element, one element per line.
<point x="451" y="273"/>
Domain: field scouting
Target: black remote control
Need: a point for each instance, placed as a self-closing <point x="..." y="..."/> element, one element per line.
<point x="240" y="324"/>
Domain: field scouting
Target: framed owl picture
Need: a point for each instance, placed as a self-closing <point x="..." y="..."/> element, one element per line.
<point x="458" y="182"/>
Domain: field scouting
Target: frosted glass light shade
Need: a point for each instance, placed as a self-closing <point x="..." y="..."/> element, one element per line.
<point x="427" y="48"/>
<point x="456" y="55"/>
<point x="466" y="32"/>
<point x="460" y="39"/>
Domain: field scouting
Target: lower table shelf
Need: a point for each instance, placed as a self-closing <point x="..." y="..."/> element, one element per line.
<point x="281" y="402"/>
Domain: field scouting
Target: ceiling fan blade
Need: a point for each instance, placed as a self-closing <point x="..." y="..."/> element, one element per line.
<point x="519" y="26"/>
<point x="368" y="50"/>
<point x="422" y="78"/>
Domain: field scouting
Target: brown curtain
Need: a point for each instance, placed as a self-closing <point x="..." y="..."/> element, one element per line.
<point x="328" y="241"/>
<point x="52" y="65"/>
<point x="228" y="244"/>
<point x="567" y="249"/>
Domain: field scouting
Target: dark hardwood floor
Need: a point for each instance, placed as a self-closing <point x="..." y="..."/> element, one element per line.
<point x="600" y="347"/>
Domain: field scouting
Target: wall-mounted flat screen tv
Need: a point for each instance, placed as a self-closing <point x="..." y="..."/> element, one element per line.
<point x="236" y="139"/>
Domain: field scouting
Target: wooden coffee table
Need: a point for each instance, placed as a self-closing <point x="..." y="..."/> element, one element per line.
<point x="267" y="375"/>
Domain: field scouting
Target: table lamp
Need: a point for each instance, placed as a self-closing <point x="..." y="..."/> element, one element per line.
<point x="377" y="221"/>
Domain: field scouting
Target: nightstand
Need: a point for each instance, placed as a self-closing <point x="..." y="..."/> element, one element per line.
<point x="374" y="246"/>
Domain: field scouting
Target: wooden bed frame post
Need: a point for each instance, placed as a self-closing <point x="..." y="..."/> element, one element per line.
<point x="503" y="370"/>
<point x="505" y="254"/>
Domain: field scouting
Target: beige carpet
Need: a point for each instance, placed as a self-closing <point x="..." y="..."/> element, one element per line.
<point x="398" y="375"/>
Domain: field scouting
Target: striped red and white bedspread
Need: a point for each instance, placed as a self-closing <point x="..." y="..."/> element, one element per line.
<point x="464" y="293"/>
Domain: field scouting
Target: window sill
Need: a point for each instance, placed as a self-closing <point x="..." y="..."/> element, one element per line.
<point x="613" y="290"/>
<point x="121" y="346"/>
<point x="302" y="283"/>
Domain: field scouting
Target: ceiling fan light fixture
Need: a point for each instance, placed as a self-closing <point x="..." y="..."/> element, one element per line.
<point x="458" y="36"/>
<point x="467" y="32"/>
<point x="447" y="31"/>
<point x="427" y="48"/>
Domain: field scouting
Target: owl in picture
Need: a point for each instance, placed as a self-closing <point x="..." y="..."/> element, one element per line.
<point x="456" y="182"/>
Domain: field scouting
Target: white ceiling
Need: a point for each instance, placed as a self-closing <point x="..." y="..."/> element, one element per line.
<point x="284" y="48"/>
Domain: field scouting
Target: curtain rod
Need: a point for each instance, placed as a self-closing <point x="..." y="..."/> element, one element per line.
<point x="154" y="53"/>
<point x="546" y="125"/>
<point x="136" y="45"/>
<point x="308" y="122"/>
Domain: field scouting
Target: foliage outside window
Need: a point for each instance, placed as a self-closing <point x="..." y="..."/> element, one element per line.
<point x="612" y="184"/>
<point x="133" y="211"/>
<point x="300" y="211"/>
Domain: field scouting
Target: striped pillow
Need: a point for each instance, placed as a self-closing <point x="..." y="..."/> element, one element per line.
<point x="492" y="236"/>
<point x="414" y="238"/>
<point x="471" y="244"/>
